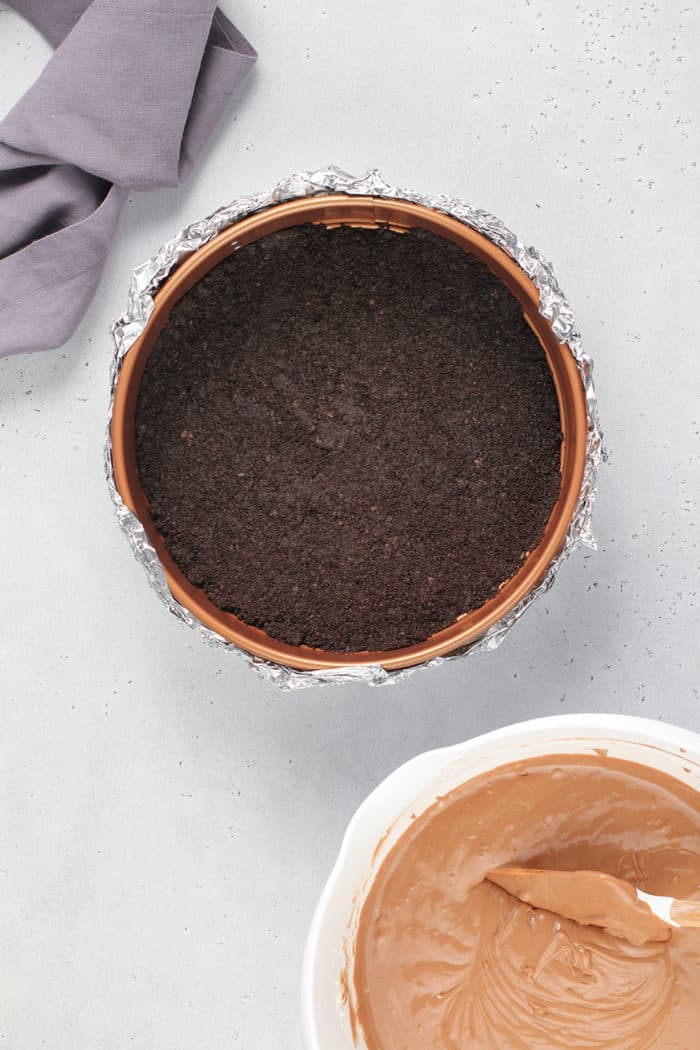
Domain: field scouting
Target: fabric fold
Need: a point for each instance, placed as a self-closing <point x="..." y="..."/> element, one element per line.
<point x="128" y="101"/>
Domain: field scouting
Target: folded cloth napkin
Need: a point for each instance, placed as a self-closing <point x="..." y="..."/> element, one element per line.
<point x="128" y="100"/>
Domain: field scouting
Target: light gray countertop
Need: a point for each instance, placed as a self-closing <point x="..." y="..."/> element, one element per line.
<point x="167" y="820"/>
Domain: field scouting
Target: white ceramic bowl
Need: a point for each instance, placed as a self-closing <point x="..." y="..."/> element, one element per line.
<point x="386" y="813"/>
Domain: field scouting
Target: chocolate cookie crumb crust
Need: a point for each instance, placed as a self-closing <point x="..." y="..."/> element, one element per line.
<point x="348" y="437"/>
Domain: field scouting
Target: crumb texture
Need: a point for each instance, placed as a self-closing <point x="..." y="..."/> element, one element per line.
<point x="349" y="437"/>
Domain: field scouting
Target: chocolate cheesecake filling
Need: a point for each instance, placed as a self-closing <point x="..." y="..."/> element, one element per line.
<point x="349" y="437"/>
<point x="446" y="959"/>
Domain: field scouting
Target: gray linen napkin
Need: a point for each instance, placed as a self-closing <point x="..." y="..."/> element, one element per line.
<point x="127" y="101"/>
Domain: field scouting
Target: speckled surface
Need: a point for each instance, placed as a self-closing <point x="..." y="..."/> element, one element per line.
<point x="168" y="819"/>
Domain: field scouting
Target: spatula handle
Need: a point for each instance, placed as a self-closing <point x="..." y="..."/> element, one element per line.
<point x="686" y="913"/>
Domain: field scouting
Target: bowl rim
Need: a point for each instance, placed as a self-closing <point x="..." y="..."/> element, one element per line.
<point x="344" y="209"/>
<point x="644" y="731"/>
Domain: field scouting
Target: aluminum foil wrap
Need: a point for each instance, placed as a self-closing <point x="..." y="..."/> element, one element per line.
<point x="148" y="277"/>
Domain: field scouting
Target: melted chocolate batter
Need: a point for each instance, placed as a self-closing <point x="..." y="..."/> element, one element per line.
<point x="448" y="961"/>
<point x="349" y="437"/>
